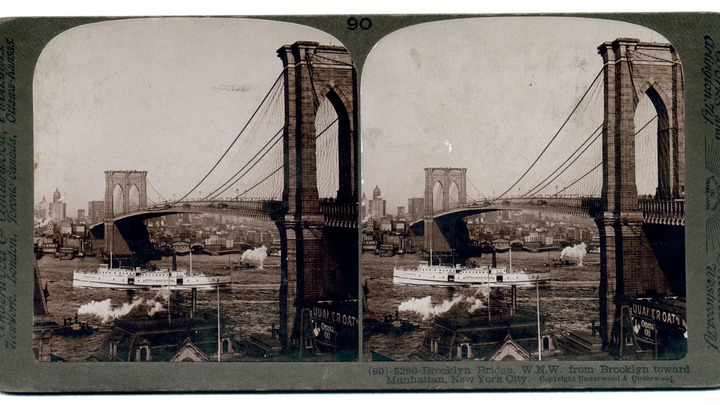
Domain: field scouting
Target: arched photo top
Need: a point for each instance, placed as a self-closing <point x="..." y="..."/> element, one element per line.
<point x="153" y="94"/>
<point x="484" y="93"/>
<point x="572" y="130"/>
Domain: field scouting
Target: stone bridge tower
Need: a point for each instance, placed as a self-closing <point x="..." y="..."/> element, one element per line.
<point x="448" y="179"/>
<point x="319" y="263"/>
<point x="629" y="248"/>
<point x="122" y="184"/>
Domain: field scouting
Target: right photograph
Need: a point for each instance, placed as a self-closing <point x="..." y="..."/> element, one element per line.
<point x="523" y="192"/>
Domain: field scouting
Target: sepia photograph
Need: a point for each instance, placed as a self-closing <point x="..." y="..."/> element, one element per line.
<point x="523" y="193"/>
<point x="195" y="193"/>
<point x="359" y="203"/>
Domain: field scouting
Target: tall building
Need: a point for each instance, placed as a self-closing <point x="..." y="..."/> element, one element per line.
<point x="57" y="208"/>
<point x="41" y="210"/>
<point x="376" y="193"/>
<point x="81" y="215"/>
<point x="416" y="208"/>
<point x="377" y="205"/>
<point x="364" y="207"/>
<point x="401" y="212"/>
<point x="96" y="211"/>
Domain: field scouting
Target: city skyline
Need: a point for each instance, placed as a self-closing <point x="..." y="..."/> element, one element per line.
<point x="91" y="212"/>
<point x="462" y="93"/>
<point x="180" y="93"/>
<point x="389" y="210"/>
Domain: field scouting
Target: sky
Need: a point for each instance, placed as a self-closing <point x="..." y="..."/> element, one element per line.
<point x="496" y="89"/>
<point x="157" y="94"/>
<point x="166" y="96"/>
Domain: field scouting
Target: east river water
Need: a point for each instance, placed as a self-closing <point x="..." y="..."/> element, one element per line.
<point x="248" y="306"/>
<point x="568" y="302"/>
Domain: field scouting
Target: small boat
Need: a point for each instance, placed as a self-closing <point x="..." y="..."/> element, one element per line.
<point x="390" y="325"/>
<point x="559" y="263"/>
<point x="75" y="328"/>
<point x="240" y="266"/>
<point x="138" y="279"/>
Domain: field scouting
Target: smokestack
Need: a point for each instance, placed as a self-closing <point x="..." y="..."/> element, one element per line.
<point x="494" y="258"/>
<point x="174" y="264"/>
<point x="193" y="309"/>
<point x="513" y="294"/>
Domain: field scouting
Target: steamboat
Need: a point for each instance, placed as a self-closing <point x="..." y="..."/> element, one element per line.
<point x="140" y="279"/>
<point x="427" y="274"/>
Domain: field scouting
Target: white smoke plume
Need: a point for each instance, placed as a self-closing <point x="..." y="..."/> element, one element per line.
<point x="155" y="308"/>
<point x="105" y="311"/>
<point x="425" y="308"/>
<point x="155" y="305"/>
<point x="255" y="256"/>
<point x="163" y="293"/>
<point x="575" y="252"/>
<point x="477" y="303"/>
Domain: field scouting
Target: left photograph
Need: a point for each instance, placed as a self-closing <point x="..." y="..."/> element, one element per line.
<point x="196" y="193"/>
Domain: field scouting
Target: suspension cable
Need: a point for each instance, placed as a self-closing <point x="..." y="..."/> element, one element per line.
<point x="151" y="186"/>
<point x="646" y="124"/>
<point x="260" y="182"/>
<point x="553" y="138"/>
<point x="573" y="183"/>
<point x="213" y="193"/>
<point x="280" y="167"/>
<point x="311" y="74"/>
<point x="326" y="128"/>
<point x="581" y="177"/>
<point x="332" y="60"/>
<point x="253" y="165"/>
<point x="533" y="191"/>
<point x="632" y="79"/>
<point x="568" y="166"/>
<point x="476" y="189"/>
<point x="674" y="62"/>
<point x="236" y="138"/>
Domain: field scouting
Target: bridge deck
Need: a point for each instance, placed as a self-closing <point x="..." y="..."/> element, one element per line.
<point x="662" y="212"/>
<point x="336" y="214"/>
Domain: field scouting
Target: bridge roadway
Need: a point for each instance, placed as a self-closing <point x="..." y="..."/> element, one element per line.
<point x="659" y="212"/>
<point x="336" y="214"/>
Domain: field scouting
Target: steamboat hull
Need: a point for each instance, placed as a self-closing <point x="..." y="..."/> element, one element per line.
<point x="460" y="276"/>
<point x="122" y="279"/>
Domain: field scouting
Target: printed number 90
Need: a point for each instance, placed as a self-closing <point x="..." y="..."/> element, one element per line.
<point x="364" y="23"/>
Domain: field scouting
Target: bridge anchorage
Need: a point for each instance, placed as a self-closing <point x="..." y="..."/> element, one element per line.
<point x="318" y="233"/>
<point x="642" y="240"/>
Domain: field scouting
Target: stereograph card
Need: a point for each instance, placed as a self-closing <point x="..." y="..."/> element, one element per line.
<point x="360" y="203"/>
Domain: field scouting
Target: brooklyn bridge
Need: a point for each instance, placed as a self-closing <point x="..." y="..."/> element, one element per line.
<point x="642" y="237"/>
<point x="302" y="174"/>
